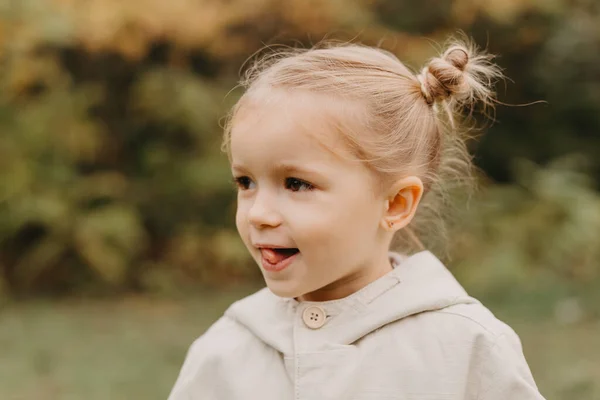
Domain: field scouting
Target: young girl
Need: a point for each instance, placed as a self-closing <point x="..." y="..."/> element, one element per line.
<point x="335" y="150"/>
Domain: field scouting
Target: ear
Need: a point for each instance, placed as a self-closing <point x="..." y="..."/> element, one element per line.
<point x="402" y="203"/>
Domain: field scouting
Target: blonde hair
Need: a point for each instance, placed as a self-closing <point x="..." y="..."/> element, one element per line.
<point x="410" y="123"/>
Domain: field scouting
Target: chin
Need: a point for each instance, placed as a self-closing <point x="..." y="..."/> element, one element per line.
<point x="284" y="289"/>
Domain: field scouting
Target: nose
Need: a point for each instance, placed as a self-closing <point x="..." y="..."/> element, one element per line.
<point x="263" y="212"/>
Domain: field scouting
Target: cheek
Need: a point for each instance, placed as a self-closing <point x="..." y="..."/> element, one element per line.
<point x="241" y="219"/>
<point x="346" y="224"/>
<point x="308" y="218"/>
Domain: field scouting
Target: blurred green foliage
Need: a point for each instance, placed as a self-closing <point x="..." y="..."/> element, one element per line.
<point x="111" y="177"/>
<point x="537" y="237"/>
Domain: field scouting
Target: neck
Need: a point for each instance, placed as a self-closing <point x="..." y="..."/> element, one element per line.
<point x="351" y="283"/>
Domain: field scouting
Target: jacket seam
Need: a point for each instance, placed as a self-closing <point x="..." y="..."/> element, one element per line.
<point x="480" y="394"/>
<point x="493" y="333"/>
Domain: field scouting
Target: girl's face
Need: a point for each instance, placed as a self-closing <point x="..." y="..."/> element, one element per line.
<point x="319" y="207"/>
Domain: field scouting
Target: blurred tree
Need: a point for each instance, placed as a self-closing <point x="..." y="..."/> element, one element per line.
<point x="110" y="172"/>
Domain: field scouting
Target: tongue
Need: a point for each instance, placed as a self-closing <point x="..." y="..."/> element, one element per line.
<point x="274" y="257"/>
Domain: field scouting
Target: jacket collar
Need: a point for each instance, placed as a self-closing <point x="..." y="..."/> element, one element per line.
<point x="417" y="284"/>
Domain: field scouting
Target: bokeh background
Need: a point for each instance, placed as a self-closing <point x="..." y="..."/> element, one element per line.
<point x="117" y="237"/>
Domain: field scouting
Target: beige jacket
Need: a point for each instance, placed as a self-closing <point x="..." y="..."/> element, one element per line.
<point x="412" y="334"/>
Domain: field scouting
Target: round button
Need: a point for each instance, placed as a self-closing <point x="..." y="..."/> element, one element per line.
<point x="314" y="317"/>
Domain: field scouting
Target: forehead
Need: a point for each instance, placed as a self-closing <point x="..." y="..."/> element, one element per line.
<point x="288" y="126"/>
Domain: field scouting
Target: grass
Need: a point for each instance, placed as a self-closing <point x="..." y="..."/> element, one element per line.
<point x="565" y="361"/>
<point x="127" y="349"/>
<point x="133" y="348"/>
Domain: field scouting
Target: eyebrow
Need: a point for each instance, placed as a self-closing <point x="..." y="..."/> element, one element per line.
<point x="291" y="168"/>
<point x="238" y="167"/>
<point x="286" y="168"/>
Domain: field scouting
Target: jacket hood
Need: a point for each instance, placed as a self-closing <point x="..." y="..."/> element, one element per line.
<point x="418" y="283"/>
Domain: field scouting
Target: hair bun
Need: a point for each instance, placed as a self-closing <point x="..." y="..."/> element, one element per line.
<point x="457" y="57"/>
<point x="461" y="74"/>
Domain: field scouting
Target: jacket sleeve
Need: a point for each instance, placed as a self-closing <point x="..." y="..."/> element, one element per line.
<point x="505" y="374"/>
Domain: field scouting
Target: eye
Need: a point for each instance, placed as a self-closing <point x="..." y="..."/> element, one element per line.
<point x="297" y="185"/>
<point x="242" y="182"/>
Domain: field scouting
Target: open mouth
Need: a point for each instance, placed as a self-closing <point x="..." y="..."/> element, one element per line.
<point x="277" y="258"/>
<point x="277" y="255"/>
<point x="286" y="252"/>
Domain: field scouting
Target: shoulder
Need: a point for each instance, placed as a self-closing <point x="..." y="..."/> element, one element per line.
<point x="476" y="318"/>
<point x="228" y="334"/>
<point x="465" y="318"/>
<point x="498" y="363"/>
<point x="475" y="325"/>
<point x="213" y="358"/>
<point x="481" y="348"/>
<point x="213" y="348"/>
<point x="222" y="337"/>
<point x="470" y="330"/>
